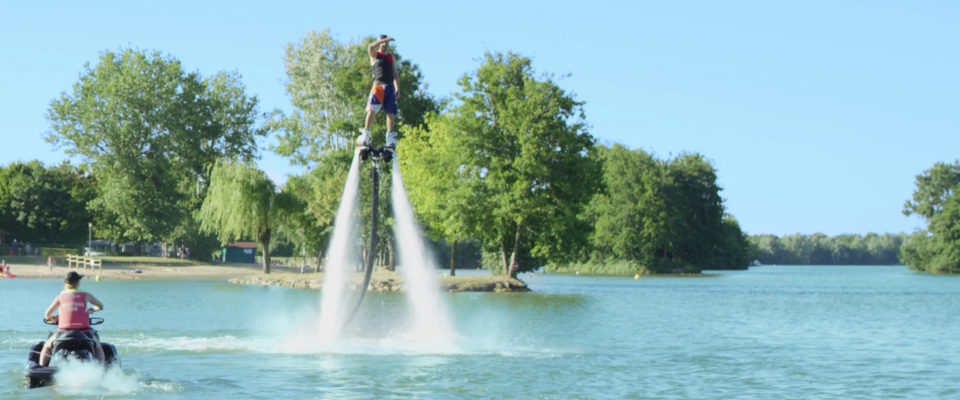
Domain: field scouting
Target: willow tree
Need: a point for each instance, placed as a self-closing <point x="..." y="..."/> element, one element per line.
<point x="242" y="202"/>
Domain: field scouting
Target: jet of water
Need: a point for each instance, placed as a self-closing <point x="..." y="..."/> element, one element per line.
<point x="342" y="256"/>
<point x="431" y="320"/>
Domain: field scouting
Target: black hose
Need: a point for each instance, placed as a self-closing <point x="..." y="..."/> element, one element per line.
<point x="372" y="250"/>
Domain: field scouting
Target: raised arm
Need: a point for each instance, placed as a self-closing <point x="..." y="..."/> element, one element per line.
<point x="372" y="48"/>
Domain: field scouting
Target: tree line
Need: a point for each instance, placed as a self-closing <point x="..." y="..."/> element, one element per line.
<point x="819" y="249"/>
<point x="506" y="165"/>
<point x="935" y="249"/>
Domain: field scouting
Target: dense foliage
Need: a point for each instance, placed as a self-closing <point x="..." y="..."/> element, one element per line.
<point x="661" y="215"/>
<point x="819" y="249"/>
<point x="149" y="133"/>
<point x="513" y="157"/>
<point x="937" y="201"/>
<point x="46" y="205"/>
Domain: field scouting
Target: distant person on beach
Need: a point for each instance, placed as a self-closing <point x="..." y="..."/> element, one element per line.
<point x="73" y="315"/>
<point x="51" y="262"/>
<point x="4" y="268"/>
<point x="383" y="93"/>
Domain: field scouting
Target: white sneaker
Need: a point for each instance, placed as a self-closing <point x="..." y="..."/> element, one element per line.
<point x="364" y="139"/>
<point x="392" y="140"/>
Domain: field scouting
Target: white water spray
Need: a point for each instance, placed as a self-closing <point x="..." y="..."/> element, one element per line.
<point x="341" y="258"/>
<point x="78" y="378"/>
<point x="431" y="320"/>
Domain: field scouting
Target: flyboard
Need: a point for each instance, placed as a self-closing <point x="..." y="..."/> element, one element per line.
<point x="376" y="155"/>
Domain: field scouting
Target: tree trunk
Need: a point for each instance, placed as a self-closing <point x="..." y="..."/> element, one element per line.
<point x="319" y="261"/>
<point x="392" y="265"/>
<point x="513" y="256"/>
<point x="453" y="258"/>
<point x="265" y="243"/>
<point x="503" y="258"/>
<point x="303" y="258"/>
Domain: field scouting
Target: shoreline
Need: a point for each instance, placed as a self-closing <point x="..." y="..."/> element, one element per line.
<point x="124" y="271"/>
<point x="251" y="274"/>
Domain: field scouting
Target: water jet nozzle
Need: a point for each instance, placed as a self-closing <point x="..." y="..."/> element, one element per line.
<point x="381" y="153"/>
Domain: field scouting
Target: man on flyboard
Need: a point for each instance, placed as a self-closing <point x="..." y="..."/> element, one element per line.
<point x="383" y="93"/>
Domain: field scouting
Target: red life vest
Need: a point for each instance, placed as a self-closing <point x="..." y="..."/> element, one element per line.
<point x="73" y="310"/>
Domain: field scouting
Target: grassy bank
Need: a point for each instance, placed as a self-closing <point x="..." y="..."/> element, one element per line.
<point x="620" y="268"/>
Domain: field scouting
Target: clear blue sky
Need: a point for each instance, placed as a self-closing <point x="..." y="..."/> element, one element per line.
<point x="816" y="114"/>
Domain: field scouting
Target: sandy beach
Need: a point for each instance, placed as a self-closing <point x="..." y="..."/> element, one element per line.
<point x="114" y="271"/>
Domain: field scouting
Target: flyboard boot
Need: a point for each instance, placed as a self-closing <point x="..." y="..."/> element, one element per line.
<point x="392" y="141"/>
<point x="363" y="143"/>
<point x="390" y="148"/>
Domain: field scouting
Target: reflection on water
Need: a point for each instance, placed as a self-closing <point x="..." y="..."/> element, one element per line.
<point x="769" y="332"/>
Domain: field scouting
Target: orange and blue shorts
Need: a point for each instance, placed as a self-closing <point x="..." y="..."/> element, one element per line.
<point x="383" y="96"/>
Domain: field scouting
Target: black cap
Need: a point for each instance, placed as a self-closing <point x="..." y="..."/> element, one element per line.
<point x="73" y="277"/>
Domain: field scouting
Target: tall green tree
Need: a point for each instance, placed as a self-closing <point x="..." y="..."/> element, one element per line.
<point x="441" y="188"/>
<point x="936" y="200"/>
<point x="625" y="208"/>
<point x="149" y="132"/>
<point x="243" y="202"/>
<point x="525" y="159"/>
<point x="696" y="209"/>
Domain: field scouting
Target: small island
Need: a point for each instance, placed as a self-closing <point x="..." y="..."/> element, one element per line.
<point x="388" y="281"/>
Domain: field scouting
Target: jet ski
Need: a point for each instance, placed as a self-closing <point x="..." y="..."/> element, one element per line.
<point x="75" y="345"/>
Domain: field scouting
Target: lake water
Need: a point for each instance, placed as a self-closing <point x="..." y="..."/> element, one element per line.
<point x="792" y="332"/>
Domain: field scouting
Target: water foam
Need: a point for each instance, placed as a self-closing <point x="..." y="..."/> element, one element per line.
<point x="75" y="377"/>
<point x="222" y="343"/>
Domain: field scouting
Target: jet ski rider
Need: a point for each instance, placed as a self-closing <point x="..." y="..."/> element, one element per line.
<point x="73" y="316"/>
